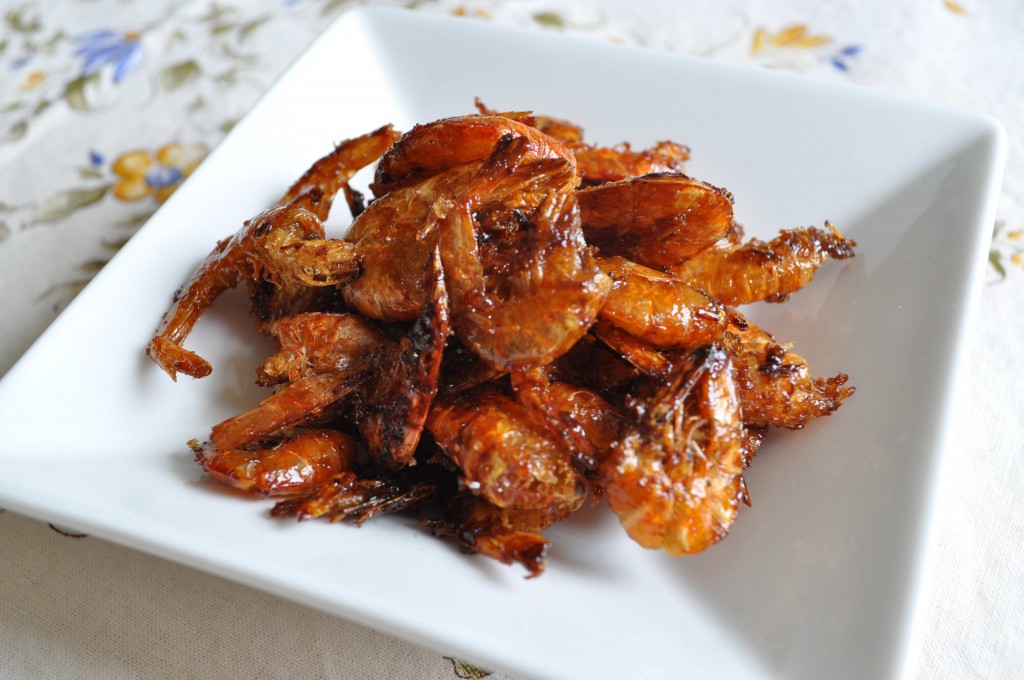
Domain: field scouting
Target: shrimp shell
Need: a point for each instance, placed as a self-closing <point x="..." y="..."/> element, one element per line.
<point x="504" y="455"/>
<point x="658" y="220"/>
<point x="293" y="466"/>
<point x="314" y="343"/>
<point x="586" y="423"/>
<point x="659" y="309"/>
<point x="396" y="234"/>
<point x="430" y="149"/>
<point x="295" y="404"/>
<point x="674" y="478"/>
<point x="759" y="270"/>
<point x="391" y="407"/>
<point x="598" y="164"/>
<point x="775" y="386"/>
<point x="545" y="304"/>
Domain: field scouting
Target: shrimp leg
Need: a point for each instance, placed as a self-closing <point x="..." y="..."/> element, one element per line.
<point x="346" y="496"/>
<point x="508" y="535"/>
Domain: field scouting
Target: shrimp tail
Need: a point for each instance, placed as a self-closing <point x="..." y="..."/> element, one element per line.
<point x="174" y="359"/>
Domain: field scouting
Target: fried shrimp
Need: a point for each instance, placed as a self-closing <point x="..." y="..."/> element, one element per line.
<point x="674" y="478"/>
<point x="759" y="270"/>
<point x="586" y="423"/>
<point x="775" y="386"/>
<point x="397" y="233"/>
<point x="295" y="404"/>
<point x="518" y="320"/>
<point x="545" y="305"/>
<point x="504" y="454"/>
<point x="658" y="220"/>
<point x="430" y="149"/>
<point x="285" y="246"/>
<point x="599" y="164"/>
<point x="659" y="309"/>
<point x="293" y="465"/>
<point x="313" y="343"/>
<point x="391" y="406"/>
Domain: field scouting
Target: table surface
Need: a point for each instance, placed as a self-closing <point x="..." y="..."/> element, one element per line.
<point x="106" y="106"/>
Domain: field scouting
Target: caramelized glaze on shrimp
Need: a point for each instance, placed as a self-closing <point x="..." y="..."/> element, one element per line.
<point x="314" y="343"/>
<point x="285" y="246"/>
<point x="659" y="309"/>
<point x="582" y="418"/>
<point x="599" y="164"/>
<point x="430" y="149"/>
<point x="674" y="478"/>
<point x="775" y="385"/>
<point x="295" y="404"/>
<point x="397" y="233"/>
<point x="759" y="270"/>
<point x="391" y="407"/>
<point x="658" y="220"/>
<point x="291" y="466"/>
<point x="503" y="453"/>
<point x="535" y="315"/>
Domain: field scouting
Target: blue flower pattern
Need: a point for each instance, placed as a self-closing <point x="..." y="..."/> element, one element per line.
<point x="105" y="47"/>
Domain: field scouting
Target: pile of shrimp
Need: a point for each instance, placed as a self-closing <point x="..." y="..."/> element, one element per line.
<point x="517" y="321"/>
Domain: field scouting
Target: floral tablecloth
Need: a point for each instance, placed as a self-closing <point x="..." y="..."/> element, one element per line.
<point x="107" y="106"/>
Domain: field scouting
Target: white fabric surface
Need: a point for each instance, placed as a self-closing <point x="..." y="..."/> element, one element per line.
<point x="80" y="607"/>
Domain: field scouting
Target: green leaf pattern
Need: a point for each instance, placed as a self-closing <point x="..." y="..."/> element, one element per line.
<point x="64" y="203"/>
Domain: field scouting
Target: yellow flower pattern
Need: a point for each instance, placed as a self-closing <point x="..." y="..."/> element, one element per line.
<point x="142" y="174"/>
<point x="793" y="36"/>
<point x="797" y="39"/>
<point x="33" y="79"/>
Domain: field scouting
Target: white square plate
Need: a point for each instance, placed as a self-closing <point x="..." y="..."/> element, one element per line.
<point x="819" y="579"/>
